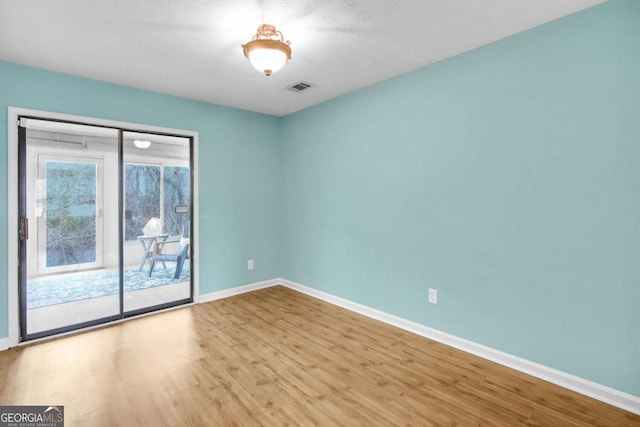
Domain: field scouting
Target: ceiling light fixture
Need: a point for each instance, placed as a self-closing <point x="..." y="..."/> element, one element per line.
<point x="142" y="144"/>
<point x="267" y="51"/>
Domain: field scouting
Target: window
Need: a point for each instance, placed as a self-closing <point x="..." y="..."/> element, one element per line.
<point x="176" y="195"/>
<point x="142" y="197"/>
<point x="71" y="213"/>
<point x="155" y="191"/>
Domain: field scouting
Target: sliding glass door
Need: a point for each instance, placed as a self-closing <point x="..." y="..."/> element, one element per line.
<point x="105" y="224"/>
<point x="66" y="173"/>
<point x="156" y="189"/>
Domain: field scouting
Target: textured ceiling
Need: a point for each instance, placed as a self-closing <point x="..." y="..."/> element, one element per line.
<point x="191" y="48"/>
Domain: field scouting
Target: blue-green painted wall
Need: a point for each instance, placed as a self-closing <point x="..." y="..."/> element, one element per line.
<point x="508" y="178"/>
<point x="239" y="163"/>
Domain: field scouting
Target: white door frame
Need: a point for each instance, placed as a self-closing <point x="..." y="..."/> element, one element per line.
<point x="13" y="113"/>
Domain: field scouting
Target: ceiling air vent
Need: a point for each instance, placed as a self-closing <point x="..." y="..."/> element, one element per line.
<point x="300" y="86"/>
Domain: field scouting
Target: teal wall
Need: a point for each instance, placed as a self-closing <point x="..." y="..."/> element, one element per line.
<point x="238" y="167"/>
<point x="508" y="178"/>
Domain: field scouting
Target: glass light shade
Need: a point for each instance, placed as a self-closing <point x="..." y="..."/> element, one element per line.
<point x="267" y="60"/>
<point x="267" y="51"/>
<point x="142" y="144"/>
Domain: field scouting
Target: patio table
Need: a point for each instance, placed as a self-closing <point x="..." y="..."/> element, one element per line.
<point x="151" y="245"/>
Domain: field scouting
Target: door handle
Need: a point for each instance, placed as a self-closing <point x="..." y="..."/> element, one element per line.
<point x="23" y="229"/>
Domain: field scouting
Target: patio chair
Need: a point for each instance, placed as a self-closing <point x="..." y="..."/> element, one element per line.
<point x="152" y="240"/>
<point x="178" y="257"/>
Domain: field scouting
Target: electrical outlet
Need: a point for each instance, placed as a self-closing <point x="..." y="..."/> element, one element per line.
<point x="433" y="296"/>
<point x="250" y="265"/>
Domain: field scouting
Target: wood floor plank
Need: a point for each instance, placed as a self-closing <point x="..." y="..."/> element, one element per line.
<point x="275" y="357"/>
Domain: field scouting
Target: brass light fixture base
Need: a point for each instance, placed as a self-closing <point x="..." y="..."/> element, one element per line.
<point x="268" y="38"/>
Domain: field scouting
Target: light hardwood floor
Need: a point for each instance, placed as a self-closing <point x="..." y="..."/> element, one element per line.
<point x="276" y="357"/>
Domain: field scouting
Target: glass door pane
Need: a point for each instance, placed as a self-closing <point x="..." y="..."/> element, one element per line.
<point x="72" y="262"/>
<point x="157" y="227"/>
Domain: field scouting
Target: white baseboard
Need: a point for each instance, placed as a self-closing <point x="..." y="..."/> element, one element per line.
<point x="580" y="385"/>
<point x="225" y="293"/>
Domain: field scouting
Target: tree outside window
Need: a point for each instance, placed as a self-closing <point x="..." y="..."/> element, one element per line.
<point x="143" y="197"/>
